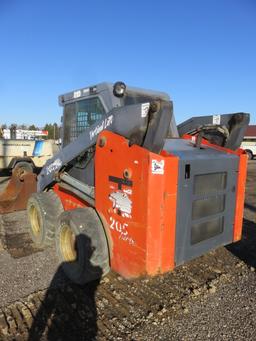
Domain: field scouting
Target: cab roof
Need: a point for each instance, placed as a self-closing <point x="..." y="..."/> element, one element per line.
<point x="107" y="86"/>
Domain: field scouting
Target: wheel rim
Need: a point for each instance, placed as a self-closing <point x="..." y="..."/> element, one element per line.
<point x="67" y="244"/>
<point x="35" y="220"/>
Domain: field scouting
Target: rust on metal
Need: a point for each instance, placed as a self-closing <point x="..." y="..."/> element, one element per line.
<point x="19" y="188"/>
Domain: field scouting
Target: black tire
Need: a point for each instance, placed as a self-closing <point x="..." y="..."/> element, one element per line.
<point x="249" y="154"/>
<point x="43" y="212"/>
<point x="82" y="245"/>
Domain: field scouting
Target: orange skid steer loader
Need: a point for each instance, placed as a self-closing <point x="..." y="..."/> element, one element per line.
<point x="146" y="195"/>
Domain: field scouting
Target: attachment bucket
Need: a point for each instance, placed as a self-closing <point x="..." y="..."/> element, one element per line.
<point x="19" y="188"/>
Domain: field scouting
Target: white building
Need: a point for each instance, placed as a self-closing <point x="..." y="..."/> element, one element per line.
<point x="22" y="134"/>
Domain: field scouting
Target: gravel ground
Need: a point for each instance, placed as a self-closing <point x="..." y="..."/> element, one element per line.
<point x="23" y="268"/>
<point x="229" y="314"/>
<point x="212" y="297"/>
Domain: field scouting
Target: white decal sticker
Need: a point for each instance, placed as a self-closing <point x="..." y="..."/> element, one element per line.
<point x="144" y="109"/>
<point x="157" y="167"/>
<point x="127" y="238"/>
<point x="121" y="228"/>
<point x="77" y="94"/>
<point x="53" y="166"/>
<point x="106" y="123"/>
<point x="216" y="119"/>
<point x="122" y="203"/>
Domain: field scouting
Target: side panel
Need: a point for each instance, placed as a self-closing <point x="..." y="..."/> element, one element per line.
<point x="68" y="199"/>
<point x="241" y="182"/>
<point x="161" y="214"/>
<point x="136" y="194"/>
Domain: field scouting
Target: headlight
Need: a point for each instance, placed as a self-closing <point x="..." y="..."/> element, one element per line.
<point x="119" y="89"/>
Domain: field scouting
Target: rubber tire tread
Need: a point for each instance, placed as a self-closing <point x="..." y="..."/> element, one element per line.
<point x="89" y="231"/>
<point x="49" y="207"/>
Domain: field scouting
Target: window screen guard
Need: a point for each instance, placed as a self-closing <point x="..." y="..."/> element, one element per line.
<point x="79" y="116"/>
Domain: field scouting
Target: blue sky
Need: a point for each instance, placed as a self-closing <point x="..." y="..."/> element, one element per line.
<point x="202" y="52"/>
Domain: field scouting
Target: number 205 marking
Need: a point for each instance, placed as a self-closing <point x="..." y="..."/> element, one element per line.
<point x="119" y="227"/>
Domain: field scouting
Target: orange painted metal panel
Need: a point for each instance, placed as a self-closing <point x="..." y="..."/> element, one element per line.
<point x="161" y="223"/>
<point x="141" y="210"/>
<point x="239" y="208"/>
<point x="68" y="199"/>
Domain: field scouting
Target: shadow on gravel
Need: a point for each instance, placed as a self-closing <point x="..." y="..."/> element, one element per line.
<point x="246" y="248"/>
<point x="68" y="311"/>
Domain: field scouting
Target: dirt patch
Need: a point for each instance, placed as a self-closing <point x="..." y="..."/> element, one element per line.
<point x="14" y="236"/>
<point x="20" y="245"/>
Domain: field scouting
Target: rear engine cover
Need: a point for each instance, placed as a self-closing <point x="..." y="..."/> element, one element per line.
<point x="206" y="198"/>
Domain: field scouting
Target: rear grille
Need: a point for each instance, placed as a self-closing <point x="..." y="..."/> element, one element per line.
<point x="206" y="230"/>
<point x="210" y="183"/>
<point x="208" y="206"/>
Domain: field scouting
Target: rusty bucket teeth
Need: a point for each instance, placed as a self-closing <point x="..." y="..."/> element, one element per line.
<point x="16" y="194"/>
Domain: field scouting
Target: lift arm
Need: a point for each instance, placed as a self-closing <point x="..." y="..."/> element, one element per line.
<point x="225" y="130"/>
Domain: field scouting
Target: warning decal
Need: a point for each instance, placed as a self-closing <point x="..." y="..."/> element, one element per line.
<point x="157" y="167"/>
<point x="216" y="119"/>
<point x="144" y="109"/>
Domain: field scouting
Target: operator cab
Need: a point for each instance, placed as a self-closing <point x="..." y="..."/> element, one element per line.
<point x="86" y="106"/>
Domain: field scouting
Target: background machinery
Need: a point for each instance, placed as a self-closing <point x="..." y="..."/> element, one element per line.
<point x="23" y="160"/>
<point x="132" y="191"/>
